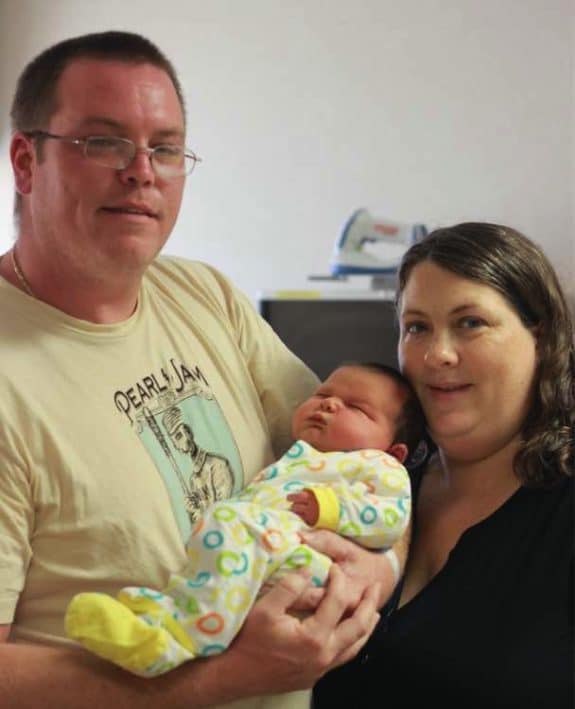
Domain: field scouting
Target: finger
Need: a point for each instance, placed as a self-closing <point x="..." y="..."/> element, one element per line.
<point x="286" y="591"/>
<point x="328" y="543"/>
<point x="361" y="621"/>
<point x="352" y="634"/>
<point x="296" y="496"/>
<point x="334" y="603"/>
<point x="349" y="652"/>
<point x="309" y="600"/>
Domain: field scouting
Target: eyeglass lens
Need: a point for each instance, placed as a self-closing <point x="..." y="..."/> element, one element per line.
<point x="117" y="153"/>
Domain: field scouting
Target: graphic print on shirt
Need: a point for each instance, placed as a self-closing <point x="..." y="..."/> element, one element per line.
<point x="180" y="423"/>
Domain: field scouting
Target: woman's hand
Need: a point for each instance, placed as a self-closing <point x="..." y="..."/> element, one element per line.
<point x="362" y="568"/>
<point x="278" y="652"/>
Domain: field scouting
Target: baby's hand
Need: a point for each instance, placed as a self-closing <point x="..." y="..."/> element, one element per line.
<point x="304" y="504"/>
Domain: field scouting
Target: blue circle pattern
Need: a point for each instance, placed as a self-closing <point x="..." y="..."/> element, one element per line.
<point x="213" y="649"/>
<point x="295" y="451"/>
<point x="294" y="486"/>
<point x="218" y="539"/>
<point x="368" y="515"/>
<point x="201" y="580"/>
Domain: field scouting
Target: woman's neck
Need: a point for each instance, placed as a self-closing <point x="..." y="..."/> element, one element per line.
<point x="486" y="476"/>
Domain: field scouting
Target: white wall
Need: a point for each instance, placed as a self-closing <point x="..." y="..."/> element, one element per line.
<point x="303" y="110"/>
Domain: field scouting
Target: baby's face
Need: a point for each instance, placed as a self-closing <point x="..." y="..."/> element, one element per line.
<point x="354" y="408"/>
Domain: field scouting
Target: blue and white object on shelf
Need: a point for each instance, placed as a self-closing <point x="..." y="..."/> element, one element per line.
<point x="350" y="258"/>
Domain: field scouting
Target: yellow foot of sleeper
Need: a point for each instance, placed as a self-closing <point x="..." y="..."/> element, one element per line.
<point x="107" y="628"/>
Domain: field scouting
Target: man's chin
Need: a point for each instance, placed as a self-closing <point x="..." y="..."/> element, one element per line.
<point x="135" y="251"/>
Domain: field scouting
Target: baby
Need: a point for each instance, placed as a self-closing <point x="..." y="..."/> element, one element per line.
<point x="344" y="473"/>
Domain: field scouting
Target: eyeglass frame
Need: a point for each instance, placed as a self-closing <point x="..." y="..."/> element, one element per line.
<point x="84" y="142"/>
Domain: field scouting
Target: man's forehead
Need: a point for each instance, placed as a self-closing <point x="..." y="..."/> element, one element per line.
<point x="105" y="90"/>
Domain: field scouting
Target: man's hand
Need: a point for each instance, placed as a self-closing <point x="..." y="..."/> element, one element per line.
<point x="277" y="652"/>
<point x="273" y="653"/>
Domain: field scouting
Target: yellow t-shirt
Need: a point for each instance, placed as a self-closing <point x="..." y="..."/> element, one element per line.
<point x="107" y="431"/>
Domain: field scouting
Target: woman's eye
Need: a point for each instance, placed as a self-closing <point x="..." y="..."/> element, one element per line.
<point x="413" y="328"/>
<point x="471" y="322"/>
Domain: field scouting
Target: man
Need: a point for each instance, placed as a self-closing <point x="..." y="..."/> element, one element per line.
<point x="99" y="338"/>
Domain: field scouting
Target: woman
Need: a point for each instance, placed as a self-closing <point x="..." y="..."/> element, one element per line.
<point x="484" y="615"/>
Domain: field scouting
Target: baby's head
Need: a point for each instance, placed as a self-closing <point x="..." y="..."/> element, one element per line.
<point x="361" y="406"/>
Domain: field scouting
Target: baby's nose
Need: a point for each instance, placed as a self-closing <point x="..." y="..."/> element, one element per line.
<point x="330" y="404"/>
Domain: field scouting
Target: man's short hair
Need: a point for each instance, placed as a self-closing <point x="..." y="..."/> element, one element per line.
<point x="35" y="98"/>
<point x="34" y="101"/>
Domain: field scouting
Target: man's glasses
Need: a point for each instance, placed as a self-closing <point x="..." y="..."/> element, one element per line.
<point x="168" y="161"/>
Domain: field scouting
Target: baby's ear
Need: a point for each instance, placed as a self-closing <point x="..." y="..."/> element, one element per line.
<point x="399" y="451"/>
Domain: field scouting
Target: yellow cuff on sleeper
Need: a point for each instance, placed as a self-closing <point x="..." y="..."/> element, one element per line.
<point x="328" y="504"/>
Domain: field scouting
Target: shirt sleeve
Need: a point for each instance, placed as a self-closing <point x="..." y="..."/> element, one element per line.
<point x="281" y="379"/>
<point x="16" y="524"/>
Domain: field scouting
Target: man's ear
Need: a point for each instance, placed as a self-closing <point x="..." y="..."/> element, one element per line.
<point x="399" y="451"/>
<point x="22" y="158"/>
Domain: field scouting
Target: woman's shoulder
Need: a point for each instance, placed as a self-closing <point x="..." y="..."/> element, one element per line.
<point x="555" y="503"/>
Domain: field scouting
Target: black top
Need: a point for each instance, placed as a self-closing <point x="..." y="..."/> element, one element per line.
<point x="494" y="628"/>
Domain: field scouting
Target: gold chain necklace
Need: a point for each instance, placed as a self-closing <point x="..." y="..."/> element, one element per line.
<point x="19" y="275"/>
